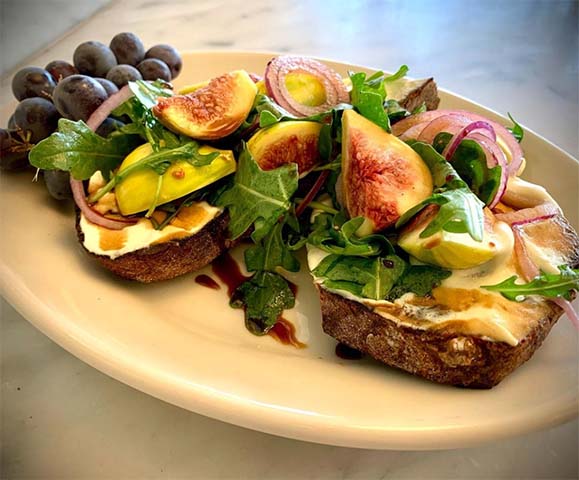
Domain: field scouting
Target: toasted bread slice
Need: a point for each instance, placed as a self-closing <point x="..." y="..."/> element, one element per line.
<point x="452" y="353"/>
<point x="441" y="356"/>
<point x="170" y="259"/>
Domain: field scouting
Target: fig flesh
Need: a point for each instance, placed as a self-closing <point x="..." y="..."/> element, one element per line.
<point x="212" y="111"/>
<point x="382" y="176"/>
<point x="138" y="191"/>
<point x="287" y="142"/>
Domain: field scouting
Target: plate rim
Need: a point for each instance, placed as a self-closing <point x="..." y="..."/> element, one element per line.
<point x="279" y="420"/>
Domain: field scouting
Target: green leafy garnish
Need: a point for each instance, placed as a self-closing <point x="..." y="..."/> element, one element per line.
<point x="469" y="161"/>
<point x="516" y="129"/>
<point x="460" y="210"/>
<point x="418" y="279"/>
<point x="550" y="285"/>
<point x="364" y="277"/>
<point x="263" y="297"/>
<point x="258" y="197"/>
<point x="144" y="123"/>
<point x="335" y="234"/>
<point x="369" y="94"/>
<point x="271" y="253"/>
<point x="75" y="148"/>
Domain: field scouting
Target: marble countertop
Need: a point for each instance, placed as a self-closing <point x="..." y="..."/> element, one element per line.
<point x="62" y="419"/>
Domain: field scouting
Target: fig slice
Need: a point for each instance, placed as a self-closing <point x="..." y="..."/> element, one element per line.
<point x="287" y="142"/>
<point x="212" y="111"/>
<point x="382" y="176"/>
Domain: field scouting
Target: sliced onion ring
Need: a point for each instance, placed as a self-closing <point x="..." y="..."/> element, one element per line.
<point x="529" y="215"/>
<point x="568" y="308"/>
<point x="516" y="153"/>
<point x="279" y="67"/>
<point x="450" y="123"/>
<point x="467" y="129"/>
<point x="104" y="110"/>
<point x="495" y="156"/>
<point x="92" y="215"/>
<point x="77" y="187"/>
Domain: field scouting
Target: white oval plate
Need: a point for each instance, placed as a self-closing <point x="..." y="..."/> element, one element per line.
<point x="182" y="343"/>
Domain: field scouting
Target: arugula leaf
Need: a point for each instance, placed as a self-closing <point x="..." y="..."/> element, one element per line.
<point x="550" y="285"/>
<point x="364" y="277"/>
<point x="270" y="253"/>
<point x="460" y="210"/>
<point x="335" y="234"/>
<point x="258" y="197"/>
<point x="149" y="92"/>
<point x="369" y="94"/>
<point x="402" y="71"/>
<point x="516" y="129"/>
<point x="145" y="124"/>
<point x="368" y="97"/>
<point x="470" y="162"/>
<point x="75" y="148"/>
<point x="418" y="279"/>
<point x="395" y="111"/>
<point x="263" y="297"/>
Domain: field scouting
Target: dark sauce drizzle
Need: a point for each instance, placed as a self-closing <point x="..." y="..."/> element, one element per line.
<point x="207" y="281"/>
<point x="227" y="270"/>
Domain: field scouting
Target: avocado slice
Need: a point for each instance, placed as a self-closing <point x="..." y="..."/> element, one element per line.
<point x="448" y="249"/>
<point x="138" y="191"/>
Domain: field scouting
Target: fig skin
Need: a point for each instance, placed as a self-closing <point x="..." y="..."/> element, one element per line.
<point x="382" y="176"/>
<point x="211" y="112"/>
<point x="287" y="142"/>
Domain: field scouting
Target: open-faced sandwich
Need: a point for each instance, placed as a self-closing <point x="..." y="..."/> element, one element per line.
<point x="428" y="250"/>
<point x="433" y="256"/>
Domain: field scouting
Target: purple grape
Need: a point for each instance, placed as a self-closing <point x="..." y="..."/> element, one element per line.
<point x="60" y="69"/>
<point x="13" y="151"/>
<point x="109" y="86"/>
<point x="78" y="96"/>
<point x="94" y="59"/>
<point x="154" y="69"/>
<point x="123" y="74"/>
<point x="32" y="82"/>
<point x="128" y="48"/>
<point x="169" y="55"/>
<point x="58" y="184"/>
<point x="37" y="118"/>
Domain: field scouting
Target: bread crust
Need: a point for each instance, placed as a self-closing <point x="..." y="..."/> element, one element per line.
<point x="168" y="259"/>
<point x="443" y="357"/>
<point x="427" y="93"/>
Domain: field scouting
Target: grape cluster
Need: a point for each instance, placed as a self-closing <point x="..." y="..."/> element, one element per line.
<point x="75" y="91"/>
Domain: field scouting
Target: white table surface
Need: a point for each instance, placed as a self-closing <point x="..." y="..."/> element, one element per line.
<point x="63" y="419"/>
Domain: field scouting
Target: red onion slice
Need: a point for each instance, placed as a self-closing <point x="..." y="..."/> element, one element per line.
<point x="77" y="187"/>
<point x="104" y="110"/>
<point x="446" y="123"/>
<point x="92" y="215"/>
<point x="528" y="268"/>
<point x="413" y="132"/>
<point x="516" y="152"/>
<point x="529" y="215"/>
<point x="495" y="156"/>
<point x="279" y="67"/>
<point x="425" y="117"/>
<point x="569" y="310"/>
<point x="313" y="192"/>
<point x="461" y="134"/>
